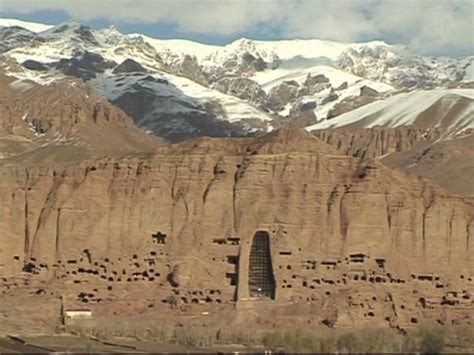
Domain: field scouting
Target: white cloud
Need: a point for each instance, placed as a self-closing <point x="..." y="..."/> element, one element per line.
<point x="429" y="26"/>
<point x="439" y="27"/>
<point x="339" y="20"/>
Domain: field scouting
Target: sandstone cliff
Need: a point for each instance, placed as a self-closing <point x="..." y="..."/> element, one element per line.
<point x="356" y="240"/>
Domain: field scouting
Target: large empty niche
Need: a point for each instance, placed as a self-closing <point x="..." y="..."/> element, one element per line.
<point x="261" y="279"/>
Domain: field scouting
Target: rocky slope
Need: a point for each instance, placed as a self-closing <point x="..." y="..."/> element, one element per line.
<point x="352" y="243"/>
<point x="450" y="110"/>
<point x="62" y="122"/>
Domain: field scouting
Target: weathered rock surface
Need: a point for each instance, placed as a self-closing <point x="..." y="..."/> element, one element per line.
<point x="349" y="104"/>
<point x="283" y="94"/>
<point x="11" y="37"/>
<point x="377" y="141"/>
<point x="190" y="68"/>
<point x="129" y="66"/>
<point x="368" y="91"/>
<point x="34" y="65"/>
<point x="243" y="88"/>
<point x="448" y="163"/>
<point x="86" y="66"/>
<point x="355" y="240"/>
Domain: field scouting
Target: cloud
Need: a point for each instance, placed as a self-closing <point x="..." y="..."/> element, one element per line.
<point x="437" y="27"/>
<point x="338" y="20"/>
<point x="428" y="26"/>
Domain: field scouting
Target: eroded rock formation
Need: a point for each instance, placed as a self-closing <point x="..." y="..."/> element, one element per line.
<point x="351" y="242"/>
<point x="448" y="163"/>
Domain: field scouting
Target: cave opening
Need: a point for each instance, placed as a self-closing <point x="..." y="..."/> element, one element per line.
<point x="261" y="278"/>
<point x="159" y="238"/>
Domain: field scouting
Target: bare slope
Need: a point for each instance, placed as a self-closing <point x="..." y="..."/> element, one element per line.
<point x="63" y="122"/>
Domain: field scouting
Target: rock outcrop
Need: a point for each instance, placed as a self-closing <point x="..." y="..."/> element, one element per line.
<point x="348" y="104"/>
<point x="377" y="141"/>
<point x="243" y="88"/>
<point x="86" y="66"/>
<point x="129" y="66"/>
<point x="11" y="37"/>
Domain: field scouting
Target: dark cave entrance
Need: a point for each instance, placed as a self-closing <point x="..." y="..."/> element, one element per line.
<point x="261" y="279"/>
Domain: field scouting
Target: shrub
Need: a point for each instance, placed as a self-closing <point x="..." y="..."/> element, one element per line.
<point x="432" y="341"/>
<point x="350" y="343"/>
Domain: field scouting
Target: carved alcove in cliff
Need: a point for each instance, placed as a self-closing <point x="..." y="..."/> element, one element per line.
<point x="261" y="278"/>
<point x="159" y="238"/>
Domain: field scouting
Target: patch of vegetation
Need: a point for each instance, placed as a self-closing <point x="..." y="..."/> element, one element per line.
<point x="432" y="340"/>
<point x="427" y="339"/>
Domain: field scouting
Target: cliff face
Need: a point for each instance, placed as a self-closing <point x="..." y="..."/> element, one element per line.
<point x="377" y="141"/>
<point x="446" y="162"/>
<point x="184" y="218"/>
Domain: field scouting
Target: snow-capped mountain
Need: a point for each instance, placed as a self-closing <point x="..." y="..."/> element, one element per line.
<point x="404" y="69"/>
<point x="11" y="37"/>
<point x="180" y="88"/>
<point x="451" y="110"/>
<point x="30" y="26"/>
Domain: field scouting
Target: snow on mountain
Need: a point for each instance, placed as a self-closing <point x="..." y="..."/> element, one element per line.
<point x="451" y="109"/>
<point x="174" y="49"/>
<point x="235" y="110"/>
<point x="61" y="41"/>
<point x="31" y="26"/>
<point x="271" y="78"/>
<point x="166" y="85"/>
<point x="375" y="60"/>
<point x="348" y="85"/>
<point x="400" y="67"/>
<point x="11" y="37"/>
<point x="269" y="51"/>
<point x="245" y="83"/>
<point x="304" y="48"/>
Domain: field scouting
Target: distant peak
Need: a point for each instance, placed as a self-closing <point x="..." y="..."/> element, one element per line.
<point x="242" y="41"/>
<point x="69" y="25"/>
<point x="111" y="34"/>
<point x="112" y="30"/>
<point x="71" y="28"/>
<point x="31" y="26"/>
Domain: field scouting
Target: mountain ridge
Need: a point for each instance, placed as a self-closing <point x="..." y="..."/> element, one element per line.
<point x="180" y="89"/>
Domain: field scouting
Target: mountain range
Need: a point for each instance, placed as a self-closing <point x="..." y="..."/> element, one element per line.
<point x="371" y="99"/>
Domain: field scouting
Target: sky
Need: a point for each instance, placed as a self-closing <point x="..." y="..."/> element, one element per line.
<point x="433" y="27"/>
